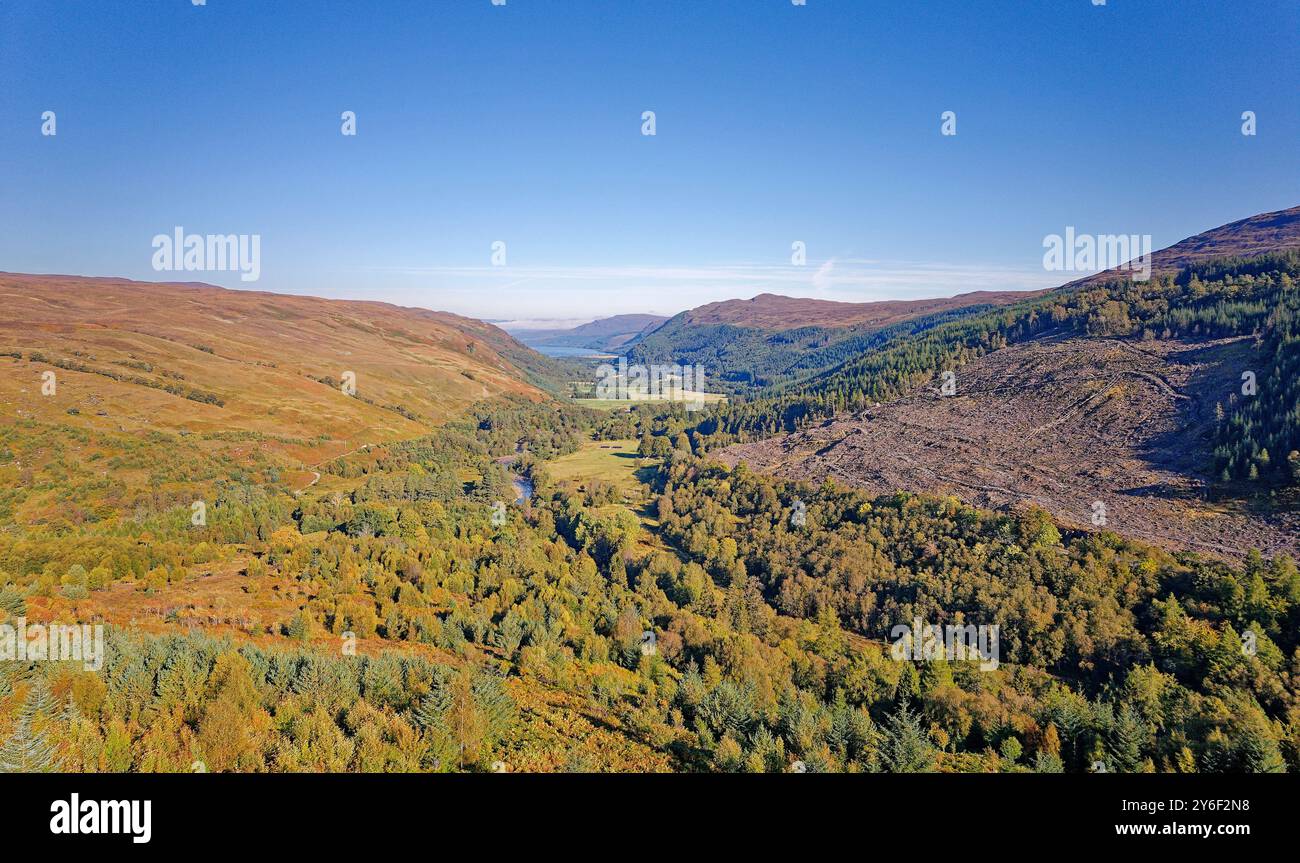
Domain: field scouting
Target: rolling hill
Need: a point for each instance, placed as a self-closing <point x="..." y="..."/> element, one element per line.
<point x="750" y="344"/>
<point x="141" y="356"/>
<point x="603" y="334"/>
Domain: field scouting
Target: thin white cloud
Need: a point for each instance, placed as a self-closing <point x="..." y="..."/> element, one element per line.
<point x="549" y="292"/>
<point x="822" y="278"/>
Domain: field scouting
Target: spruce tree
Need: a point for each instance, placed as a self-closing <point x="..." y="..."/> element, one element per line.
<point x="905" y="747"/>
<point x="495" y="704"/>
<point x="1124" y="743"/>
<point x="28" y="750"/>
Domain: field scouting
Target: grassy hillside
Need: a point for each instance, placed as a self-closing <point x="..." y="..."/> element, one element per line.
<point x="195" y="359"/>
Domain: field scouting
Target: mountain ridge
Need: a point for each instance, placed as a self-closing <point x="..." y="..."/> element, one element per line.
<point x="1253" y="235"/>
<point x="606" y="334"/>
<point x="778" y="311"/>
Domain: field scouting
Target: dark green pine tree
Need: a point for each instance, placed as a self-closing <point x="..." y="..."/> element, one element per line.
<point x="909" y="684"/>
<point x="1124" y="742"/>
<point x="1073" y="727"/>
<point x="905" y="748"/>
<point x="1259" y="753"/>
<point x="382" y="681"/>
<point x="28" y="750"/>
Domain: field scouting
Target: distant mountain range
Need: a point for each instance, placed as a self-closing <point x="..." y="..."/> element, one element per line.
<point x="604" y="334"/>
<point x="776" y="313"/>
<point x="747" y="345"/>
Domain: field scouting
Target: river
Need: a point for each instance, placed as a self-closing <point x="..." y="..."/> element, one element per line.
<point x="523" y="487"/>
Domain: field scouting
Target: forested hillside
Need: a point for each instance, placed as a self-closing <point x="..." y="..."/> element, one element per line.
<point x="750" y="345"/>
<point x="519" y="643"/>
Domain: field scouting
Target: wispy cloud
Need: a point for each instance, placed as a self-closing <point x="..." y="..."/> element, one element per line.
<point x="822" y="278"/>
<point x="561" y="291"/>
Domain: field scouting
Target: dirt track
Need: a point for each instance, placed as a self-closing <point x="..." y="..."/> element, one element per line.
<point x="1063" y="423"/>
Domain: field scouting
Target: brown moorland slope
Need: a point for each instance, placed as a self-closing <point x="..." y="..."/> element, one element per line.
<point x="1256" y="235"/>
<point x="134" y="356"/>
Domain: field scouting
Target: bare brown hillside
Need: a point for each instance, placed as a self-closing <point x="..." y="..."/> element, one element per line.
<point x="1064" y="423"/>
<point x="1257" y="235"/>
<point x="190" y="357"/>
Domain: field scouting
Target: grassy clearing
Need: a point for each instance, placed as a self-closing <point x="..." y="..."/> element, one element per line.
<point x="616" y="463"/>
<point x="612" y="461"/>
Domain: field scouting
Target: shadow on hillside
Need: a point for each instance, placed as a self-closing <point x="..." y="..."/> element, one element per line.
<point x="1187" y="449"/>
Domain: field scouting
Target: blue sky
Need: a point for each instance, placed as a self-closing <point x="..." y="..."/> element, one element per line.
<point x="522" y="123"/>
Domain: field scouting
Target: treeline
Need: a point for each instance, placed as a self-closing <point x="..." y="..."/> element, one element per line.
<point x="508" y="427"/>
<point x="187" y="392"/>
<point x="1258" y="435"/>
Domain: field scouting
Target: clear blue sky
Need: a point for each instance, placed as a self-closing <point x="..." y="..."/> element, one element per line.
<point x="522" y="123"/>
